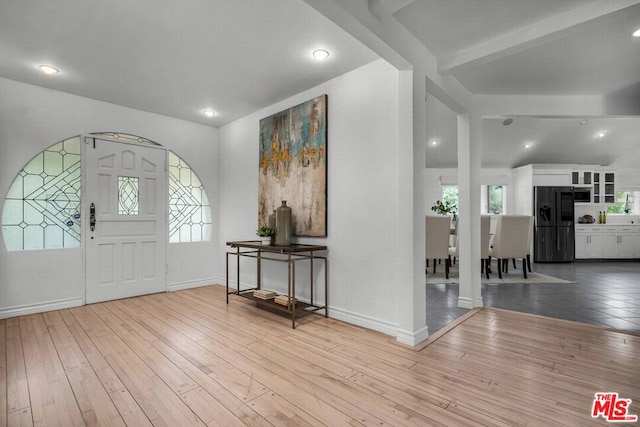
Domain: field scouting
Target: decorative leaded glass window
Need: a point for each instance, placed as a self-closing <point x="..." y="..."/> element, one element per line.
<point x="42" y="208"/>
<point x="125" y="137"/>
<point x="128" y="195"/>
<point x="189" y="209"/>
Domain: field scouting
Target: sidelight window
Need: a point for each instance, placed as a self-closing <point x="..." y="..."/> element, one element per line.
<point x="42" y="207"/>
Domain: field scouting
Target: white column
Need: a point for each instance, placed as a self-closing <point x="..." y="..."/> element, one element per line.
<point x="469" y="163"/>
<point x="411" y="299"/>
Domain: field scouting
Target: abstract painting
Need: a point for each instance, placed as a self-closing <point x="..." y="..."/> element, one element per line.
<point x="293" y="166"/>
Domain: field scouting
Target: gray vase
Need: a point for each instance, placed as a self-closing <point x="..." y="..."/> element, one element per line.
<point x="283" y="225"/>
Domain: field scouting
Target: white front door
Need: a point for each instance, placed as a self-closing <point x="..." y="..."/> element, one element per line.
<point x="125" y="214"/>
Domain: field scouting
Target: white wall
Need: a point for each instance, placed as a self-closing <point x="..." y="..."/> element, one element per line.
<point x="33" y="118"/>
<point x="627" y="179"/>
<point x="523" y="190"/>
<point x="362" y="188"/>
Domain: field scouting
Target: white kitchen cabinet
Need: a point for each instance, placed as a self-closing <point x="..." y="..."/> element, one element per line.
<point x="626" y="246"/>
<point x="619" y="241"/>
<point x="552" y="177"/>
<point x="607" y="242"/>
<point x="604" y="187"/>
<point x="582" y="240"/>
<point x="589" y="242"/>
<point x="582" y="178"/>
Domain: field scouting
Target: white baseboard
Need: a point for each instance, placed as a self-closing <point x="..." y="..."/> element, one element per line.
<point x="41" y="307"/>
<point x="178" y="286"/>
<point x="364" y="321"/>
<point x="412" y="339"/>
<point x="469" y="303"/>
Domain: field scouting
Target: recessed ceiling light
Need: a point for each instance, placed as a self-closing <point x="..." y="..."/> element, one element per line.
<point x="48" y="69"/>
<point x="583" y="122"/>
<point x="636" y="33"/>
<point x="433" y="142"/>
<point x="209" y="113"/>
<point x="600" y="135"/>
<point x="528" y="145"/>
<point x="320" y="54"/>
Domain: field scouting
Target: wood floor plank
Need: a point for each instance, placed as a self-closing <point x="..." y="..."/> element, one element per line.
<point x="20" y="418"/>
<point x="92" y="398"/>
<point x="159" y="403"/>
<point x="257" y="367"/>
<point x="188" y="358"/>
<point x="126" y="405"/>
<point x="17" y="385"/>
<point x="243" y="385"/>
<point x="280" y="412"/>
<point x="155" y="362"/>
<point x="326" y="382"/>
<point x="205" y="385"/>
<point x="51" y="396"/>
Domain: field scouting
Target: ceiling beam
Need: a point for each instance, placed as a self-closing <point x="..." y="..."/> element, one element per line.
<point x="381" y="8"/>
<point x="533" y="35"/>
<point x="394" y="43"/>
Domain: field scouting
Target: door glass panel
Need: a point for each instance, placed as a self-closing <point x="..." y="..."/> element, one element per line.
<point x="128" y="195"/>
<point x="566" y="207"/>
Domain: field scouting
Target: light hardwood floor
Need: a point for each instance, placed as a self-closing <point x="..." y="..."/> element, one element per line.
<point x="186" y="358"/>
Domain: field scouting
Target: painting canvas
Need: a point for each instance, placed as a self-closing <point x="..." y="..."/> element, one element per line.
<point x="293" y="166"/>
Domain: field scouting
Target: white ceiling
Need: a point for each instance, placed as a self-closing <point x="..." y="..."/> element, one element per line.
<point x="542" y="47"/>
<point x="177" y="58"/>
<point x="524" y="47"/>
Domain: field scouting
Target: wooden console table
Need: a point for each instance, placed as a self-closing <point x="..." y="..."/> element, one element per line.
<point x="289" y="255"/>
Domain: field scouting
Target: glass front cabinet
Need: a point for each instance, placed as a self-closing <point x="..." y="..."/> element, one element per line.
<point x="604" y="188"/>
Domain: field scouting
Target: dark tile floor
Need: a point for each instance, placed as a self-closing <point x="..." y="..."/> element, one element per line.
<point x="606" y="293"/>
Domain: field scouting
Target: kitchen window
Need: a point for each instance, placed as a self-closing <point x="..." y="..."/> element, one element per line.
<point x="626" y="202"/>
<point x="493" y="198"/>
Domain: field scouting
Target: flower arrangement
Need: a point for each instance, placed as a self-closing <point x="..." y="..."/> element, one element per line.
<point x="444" y="208"/>
<point x="266" y="231"/>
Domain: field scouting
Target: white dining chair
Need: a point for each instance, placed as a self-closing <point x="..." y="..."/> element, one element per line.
<point x="529" y="242"/>
<point x="485" y="235"/>
<point x="511" y="241"/>
<point x="437" y="231"/>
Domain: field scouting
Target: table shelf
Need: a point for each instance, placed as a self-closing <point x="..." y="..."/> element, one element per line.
<point x="284" y="254"/>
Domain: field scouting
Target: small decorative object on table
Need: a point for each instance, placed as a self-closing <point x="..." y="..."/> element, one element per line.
<point x="284" y="300"/>
<point x="266" y="234"/>
<point x="264" y="294"/>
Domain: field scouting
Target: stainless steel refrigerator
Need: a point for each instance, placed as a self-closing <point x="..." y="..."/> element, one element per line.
<point x="554" y="233"/>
